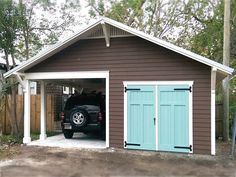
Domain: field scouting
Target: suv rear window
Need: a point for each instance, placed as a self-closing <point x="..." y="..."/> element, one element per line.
<point x="85" y="99"/>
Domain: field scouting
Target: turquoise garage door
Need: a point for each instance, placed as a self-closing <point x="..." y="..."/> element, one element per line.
<point x="171" y="106"/>
<point x="173" y="122"/>
<point x="140" y="117"/>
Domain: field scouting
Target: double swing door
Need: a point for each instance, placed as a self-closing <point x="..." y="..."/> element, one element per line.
<point x="158" y="117"/>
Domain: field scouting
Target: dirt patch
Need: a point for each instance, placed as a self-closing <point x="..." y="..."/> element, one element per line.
<point x="9" y="152"/>
<point x="42" y="161"/>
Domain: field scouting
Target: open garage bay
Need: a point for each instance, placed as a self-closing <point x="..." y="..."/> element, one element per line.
<point x="79" y="140"/>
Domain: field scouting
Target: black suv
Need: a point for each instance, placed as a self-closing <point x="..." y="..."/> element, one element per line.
<point x="84" y="113"/>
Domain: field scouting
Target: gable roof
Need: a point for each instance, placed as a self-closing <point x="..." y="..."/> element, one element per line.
<point x="75" y="37"/>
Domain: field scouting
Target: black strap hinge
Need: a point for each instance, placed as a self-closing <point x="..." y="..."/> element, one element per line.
<point x="189" y="89"/>
<point x="131" y="144"/>
<point x="133" y="89"/>
<point x="184" y="147"/>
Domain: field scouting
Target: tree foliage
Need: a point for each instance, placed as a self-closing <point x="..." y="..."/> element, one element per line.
<point x="43" y="22"/>
<point x="26" y="27"/>
<point x="174" y="21"/>
<point x="9" y="28"/>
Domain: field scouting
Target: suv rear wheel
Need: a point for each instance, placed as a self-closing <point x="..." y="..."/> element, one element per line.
<point x="68" y="134"/>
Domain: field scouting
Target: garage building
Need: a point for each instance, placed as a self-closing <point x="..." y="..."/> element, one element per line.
<point x="158" y="96"/>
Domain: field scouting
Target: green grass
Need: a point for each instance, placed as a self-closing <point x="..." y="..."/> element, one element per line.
<point x="9" y="139"/>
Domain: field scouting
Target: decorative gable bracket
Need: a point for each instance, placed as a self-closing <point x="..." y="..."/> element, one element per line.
<point x="106" y="32"/>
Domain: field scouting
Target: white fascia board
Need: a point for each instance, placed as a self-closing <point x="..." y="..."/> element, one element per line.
<point x="51" y="50"/>
<point x="170" y="46"/>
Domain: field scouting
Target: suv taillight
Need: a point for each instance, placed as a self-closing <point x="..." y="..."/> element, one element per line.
<point x="99" y="117"/>
<point x="62" y="116"/>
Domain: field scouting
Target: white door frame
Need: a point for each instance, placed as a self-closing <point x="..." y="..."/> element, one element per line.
<point x="66" y="75"/>
<point x="156" y="84"/>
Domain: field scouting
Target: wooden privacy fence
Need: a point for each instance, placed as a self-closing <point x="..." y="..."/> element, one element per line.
<point x="34" y="113"/>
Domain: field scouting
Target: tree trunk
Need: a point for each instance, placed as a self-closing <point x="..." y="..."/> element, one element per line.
<point x="13" y="60"/>
<point x="26" y="38"/>
<point x="25" y="30"/>
<point x="226" y="58"/>
<point x="7" y="60"/>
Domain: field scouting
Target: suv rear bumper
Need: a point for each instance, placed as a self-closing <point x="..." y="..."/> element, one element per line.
<point x="87" y="128"/>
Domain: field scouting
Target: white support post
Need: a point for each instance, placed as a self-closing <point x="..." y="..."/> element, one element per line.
<point x="27" y="138"/>
<point x="106" y="33"/>
<point x="213" y="85"/>
<point x="43" y="134"/>
<point x="107" y="111"/>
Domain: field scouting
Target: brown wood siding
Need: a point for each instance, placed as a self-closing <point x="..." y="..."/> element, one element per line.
<point x="134" y="59"/>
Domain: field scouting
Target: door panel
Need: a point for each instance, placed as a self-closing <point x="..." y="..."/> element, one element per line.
<point x="165" y="132"/>
<point x="173" y="114"/>
<point x="140" y="117"/>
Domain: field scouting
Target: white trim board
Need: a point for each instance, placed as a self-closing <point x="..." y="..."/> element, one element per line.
<point x="213" y="85"/>
<point x="79" y="35"/>
<point x="156" y="116"/>
<point x="125" y="83"/>
<point x="156" y="84"/>
<point x="67" y="75"/>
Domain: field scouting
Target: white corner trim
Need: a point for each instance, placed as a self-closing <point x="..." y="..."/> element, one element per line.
<point x="156" y="84"/>
<point x="213" y="84"/>
<point x="67" y="75"/>
<point x="125" y="117"/>
<point x="107" y="111"/>
<point x="191" y="118"/>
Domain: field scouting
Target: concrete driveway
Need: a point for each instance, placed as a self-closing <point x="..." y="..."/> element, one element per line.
<point x="79" y="140"/>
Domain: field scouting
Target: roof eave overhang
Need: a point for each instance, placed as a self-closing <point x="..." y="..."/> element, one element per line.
<point x="225" y="70"/>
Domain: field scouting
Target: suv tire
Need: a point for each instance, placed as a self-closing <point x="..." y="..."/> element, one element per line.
<point x="68" y="134"/>
<point x="78" y="117"/>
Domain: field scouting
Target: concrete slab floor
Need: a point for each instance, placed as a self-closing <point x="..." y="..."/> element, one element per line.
<point x="79" y="140"/>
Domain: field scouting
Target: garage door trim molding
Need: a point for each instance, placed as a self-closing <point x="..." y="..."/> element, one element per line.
<point x="156" y="84"/>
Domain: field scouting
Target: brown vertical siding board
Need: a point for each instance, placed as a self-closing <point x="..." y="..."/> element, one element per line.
<point x="134" y="59"/>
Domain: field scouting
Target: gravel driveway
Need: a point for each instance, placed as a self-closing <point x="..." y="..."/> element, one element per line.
<point x="58" y="162"/>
